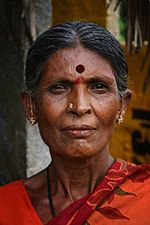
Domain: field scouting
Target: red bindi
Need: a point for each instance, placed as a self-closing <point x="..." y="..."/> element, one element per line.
<point x="78" y="80"/>
<point x="80" y="68"/>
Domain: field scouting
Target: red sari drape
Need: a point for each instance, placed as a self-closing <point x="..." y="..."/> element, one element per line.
<point x="121" y="198"/>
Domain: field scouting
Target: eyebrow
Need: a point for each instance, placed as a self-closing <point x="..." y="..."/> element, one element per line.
<point x="87" y="81"/>
<point x="103" y="78"/>
<point x="63" y="81"/>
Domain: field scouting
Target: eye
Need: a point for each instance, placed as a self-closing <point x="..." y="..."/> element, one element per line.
<point x="99" y="87"/>
<point x="58" y="88"/>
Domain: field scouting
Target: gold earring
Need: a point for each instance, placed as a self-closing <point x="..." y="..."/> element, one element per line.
<point x="120" y="120"/>
<point x="31" y="119"/>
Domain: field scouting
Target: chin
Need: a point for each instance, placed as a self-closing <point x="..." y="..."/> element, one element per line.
<point x="80" y="150"/>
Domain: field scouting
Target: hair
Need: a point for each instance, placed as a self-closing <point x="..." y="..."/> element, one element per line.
<point x="70" y="35"/>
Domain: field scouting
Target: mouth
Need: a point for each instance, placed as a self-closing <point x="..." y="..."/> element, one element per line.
<point x="78" y="131"/>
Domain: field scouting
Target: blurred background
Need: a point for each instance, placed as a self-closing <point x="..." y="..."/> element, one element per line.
<point x="22" y="152"/>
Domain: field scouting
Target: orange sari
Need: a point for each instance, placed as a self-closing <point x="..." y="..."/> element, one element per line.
<point x="122" y="198"/>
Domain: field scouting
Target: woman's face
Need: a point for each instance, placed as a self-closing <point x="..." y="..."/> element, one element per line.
<point x="85" y="129"/>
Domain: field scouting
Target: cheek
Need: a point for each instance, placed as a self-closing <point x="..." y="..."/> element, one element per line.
<point x="108" y="110"/>
<point x="49" y="110"/>
<point x="48" y="114"/>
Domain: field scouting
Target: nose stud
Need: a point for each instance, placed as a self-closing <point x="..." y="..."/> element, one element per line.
<point x="71" y="105"/>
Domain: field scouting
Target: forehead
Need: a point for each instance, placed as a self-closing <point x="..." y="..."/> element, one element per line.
<point x="66" y="61"/>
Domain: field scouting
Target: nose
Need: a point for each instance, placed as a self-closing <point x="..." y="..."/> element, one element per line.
<point x="81" y="102"/>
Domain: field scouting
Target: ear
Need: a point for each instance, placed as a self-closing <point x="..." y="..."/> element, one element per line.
<point x="125" y="100"/>
<point x="29" y="106"/>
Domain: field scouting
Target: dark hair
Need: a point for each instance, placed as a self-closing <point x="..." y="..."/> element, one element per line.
<point x="70" y="35"/>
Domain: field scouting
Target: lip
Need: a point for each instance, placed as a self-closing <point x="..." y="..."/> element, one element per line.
<point x="78" y="131"/>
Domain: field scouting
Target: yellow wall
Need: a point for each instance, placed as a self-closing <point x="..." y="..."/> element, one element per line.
<point x="90" y="10"/>
<point x="121" y="146"/>
<point x="122" y="141"/>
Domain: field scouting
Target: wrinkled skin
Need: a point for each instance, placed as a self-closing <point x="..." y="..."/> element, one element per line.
<point x="96" y="102"/>
<point x="78" y="137"/>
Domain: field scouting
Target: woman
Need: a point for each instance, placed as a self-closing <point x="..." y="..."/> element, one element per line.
<point x="76" y="90"/>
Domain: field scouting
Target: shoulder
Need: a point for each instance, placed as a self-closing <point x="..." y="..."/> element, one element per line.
<point x="12" y="194"/>
<point x="132" y="171"/>
<point x="137" y="179"/>
<point x="15" y="205"/>
<point x="10" y="190"/>
<point x="10" y="200"/>
<point x="129" y="173"/>
<point x="138" y="173"/>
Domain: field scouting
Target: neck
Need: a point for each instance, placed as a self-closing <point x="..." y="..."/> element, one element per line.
<point x="76" y="178"/>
